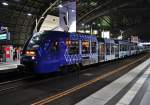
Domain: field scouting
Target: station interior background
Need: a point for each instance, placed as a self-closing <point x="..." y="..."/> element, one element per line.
<point x="19" y="19"/>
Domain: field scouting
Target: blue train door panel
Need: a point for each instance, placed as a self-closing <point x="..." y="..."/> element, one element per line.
<point x="101" y="52"/>
<point x="54" y="50"/>
<point x="72" y="54"/>
<point x="52" y="55"/>
<point x="85" y="45"/>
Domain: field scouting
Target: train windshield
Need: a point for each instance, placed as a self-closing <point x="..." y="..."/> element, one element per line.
<point x="35" y="41"/>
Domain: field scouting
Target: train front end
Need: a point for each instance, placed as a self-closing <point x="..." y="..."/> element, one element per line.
<point x="44" y="52"/>
<point x="30" y="54"/>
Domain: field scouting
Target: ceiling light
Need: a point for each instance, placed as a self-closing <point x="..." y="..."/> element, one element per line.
<point x="29" y="14"/>
<point x="60" y="6"/>
<point x="93" y="3"/>
<point x="88" y="26"/>
<point x="73" y="10"/>
<point x="94" y="23"/>
<point x="99" y="25"/>
<point x="5" y="4"/>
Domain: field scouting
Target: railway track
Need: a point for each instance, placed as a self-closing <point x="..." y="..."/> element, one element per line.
<point x="55" y="87"/>
<point x="26" y="81"/>
<point x="69" y="91"/>
<point x="12" y="84"/>
<point x="29" y="81"/>
<point x="20" y="79"/>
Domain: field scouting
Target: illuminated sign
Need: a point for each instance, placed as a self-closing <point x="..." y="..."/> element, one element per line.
<point x="134" y="39"/>
<point x="3" y="36"/>
<point x="106" y="34"/>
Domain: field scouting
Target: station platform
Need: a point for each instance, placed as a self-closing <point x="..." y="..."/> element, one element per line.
<point x="8" y="66"/>
<point x="133" y="88"/>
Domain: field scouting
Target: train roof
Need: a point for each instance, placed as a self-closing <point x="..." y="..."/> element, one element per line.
<point x="122" y="42"/>
<point x="72" y="35"/>
<point x="105" y="40"/>
<point x="55" y="32"/>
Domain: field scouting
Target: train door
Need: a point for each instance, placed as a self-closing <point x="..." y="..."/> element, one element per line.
<point x="112" y="51"/>
<point x="116" y="51"/>
<point x="108" y="52"/>
<point x="94" y="52"/>
<point x="72" y="55"/>
<point x="54" y="50"/>
<point x="85" y="52"/>
<point x="101" y="52"/>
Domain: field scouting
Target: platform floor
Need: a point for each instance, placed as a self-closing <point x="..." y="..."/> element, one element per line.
<point x="4" y="66"/>
<point x="133" y="88"/>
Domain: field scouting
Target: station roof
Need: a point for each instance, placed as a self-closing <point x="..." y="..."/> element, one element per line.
<point x="20" y="17"/>
<point x="129" y="16"/>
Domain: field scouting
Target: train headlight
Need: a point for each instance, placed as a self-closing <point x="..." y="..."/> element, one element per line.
<point x="31" y="53"/>
<point x="33" y="57"/>
<point x="27" y="52"/>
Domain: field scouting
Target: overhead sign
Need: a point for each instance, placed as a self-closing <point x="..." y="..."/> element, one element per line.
<point x="3" y="36"/>
<point x="105" y="34"/>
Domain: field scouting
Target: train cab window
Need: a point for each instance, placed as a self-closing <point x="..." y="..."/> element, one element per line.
<point x="73" y="47"/>
<point x="93" y="47"/>
<point x="108" y="49"/>
<point x="34" y="42"/>
<point x="85" y="47"/>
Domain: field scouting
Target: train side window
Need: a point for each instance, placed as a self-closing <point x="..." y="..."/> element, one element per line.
<point x="112" y="49"/>
<point x="73" y="47"/>
<point x="122" y="47"/>
<point x="54" y="46"/>
<point x="102" y="50"/>
<point x="93" y="47"/>
<point x="107" y="49"/>
<point x="85" y="47"/>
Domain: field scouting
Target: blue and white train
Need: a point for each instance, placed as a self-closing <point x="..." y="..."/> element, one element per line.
<point x="51" y="51"/>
